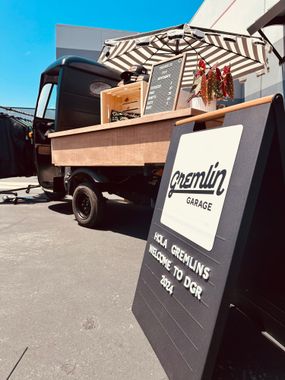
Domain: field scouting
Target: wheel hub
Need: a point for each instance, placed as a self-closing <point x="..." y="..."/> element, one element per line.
<point x="83" y="206"/>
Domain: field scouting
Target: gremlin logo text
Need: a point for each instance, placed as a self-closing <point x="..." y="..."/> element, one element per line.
<point x="210" y="181"/>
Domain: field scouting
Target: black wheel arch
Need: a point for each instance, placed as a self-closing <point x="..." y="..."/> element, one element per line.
<point x="85" y="175"/>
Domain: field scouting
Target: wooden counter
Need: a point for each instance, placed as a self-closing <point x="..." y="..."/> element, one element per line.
<point x="133" y="142"/>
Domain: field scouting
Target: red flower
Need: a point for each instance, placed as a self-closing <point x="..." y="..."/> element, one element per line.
<point x="226" y="70"/>
<point x="202" y="65"/>
<point x="212" y="83"/>
<point x="218" y="74"/>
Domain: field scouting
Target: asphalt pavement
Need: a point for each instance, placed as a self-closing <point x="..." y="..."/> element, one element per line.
<point x="66" y="291"/>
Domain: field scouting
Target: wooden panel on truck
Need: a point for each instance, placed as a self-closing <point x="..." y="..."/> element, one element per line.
<point x="133" y="142"/>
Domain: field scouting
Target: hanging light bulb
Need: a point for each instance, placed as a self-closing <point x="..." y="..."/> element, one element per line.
<point x="110" y="43"/>
<point x="230" y="39"/>
<point x="175" y="34"/>
<point x="143" y="41"/>
<point x="197" y="33"/>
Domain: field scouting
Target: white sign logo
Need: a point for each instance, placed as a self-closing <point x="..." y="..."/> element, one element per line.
<point x="198" y="183"/>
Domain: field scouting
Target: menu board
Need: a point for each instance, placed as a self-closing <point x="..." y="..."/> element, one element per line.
<point x="164" y="85"/>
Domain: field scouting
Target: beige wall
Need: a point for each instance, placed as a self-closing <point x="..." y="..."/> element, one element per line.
<point x="236" y="16"/>
<point x="230" y="15"/>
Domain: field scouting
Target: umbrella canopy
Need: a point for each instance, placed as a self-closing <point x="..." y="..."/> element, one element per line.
<point x="244" y="53"/>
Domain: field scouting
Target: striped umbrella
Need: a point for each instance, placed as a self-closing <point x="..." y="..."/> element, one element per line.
<point x="245" y="54"/>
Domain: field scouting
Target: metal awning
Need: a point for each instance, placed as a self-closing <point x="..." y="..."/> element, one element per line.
<point x="245" y="54"/>
<point x="274" y="16"/>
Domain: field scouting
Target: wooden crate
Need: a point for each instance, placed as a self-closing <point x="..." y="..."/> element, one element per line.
<point x="129" y="97"/>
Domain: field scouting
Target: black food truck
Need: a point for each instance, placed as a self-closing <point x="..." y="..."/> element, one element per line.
<point x="72" y="85"/>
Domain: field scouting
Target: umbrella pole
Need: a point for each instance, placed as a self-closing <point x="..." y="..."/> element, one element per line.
<point x="177" y="48"/>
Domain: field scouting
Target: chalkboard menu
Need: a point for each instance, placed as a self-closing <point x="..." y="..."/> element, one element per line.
<point x="164" y="85"/>
<point x="199" y="233"/>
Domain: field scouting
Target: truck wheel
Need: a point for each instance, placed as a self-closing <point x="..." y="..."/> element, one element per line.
<point x="87" y="205"/>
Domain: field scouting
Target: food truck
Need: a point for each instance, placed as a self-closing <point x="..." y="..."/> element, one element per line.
<point x="79" y="151"/>
<point x="109" y="136"/>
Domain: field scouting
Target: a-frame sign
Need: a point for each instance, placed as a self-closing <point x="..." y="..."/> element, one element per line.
<point x="216" y="238"/>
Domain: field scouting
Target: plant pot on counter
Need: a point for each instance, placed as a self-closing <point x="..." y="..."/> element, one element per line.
<point x="199" y="104"/>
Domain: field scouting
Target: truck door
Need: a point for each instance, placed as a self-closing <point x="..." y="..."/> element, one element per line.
<point x="44" y="122"/>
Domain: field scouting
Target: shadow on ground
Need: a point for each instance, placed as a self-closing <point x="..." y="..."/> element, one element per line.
<point x="62" y="207"/>
<point x="120" y="216"/>
<point x="7" y="197"/>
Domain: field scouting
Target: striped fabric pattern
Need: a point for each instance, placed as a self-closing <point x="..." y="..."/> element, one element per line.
<point x="245" y="54"/>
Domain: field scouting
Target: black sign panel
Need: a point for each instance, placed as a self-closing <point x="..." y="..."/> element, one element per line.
<point x="198" y="235"/>
<point x="164" y="85"/>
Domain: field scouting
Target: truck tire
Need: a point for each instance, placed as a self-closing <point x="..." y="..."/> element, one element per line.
<point x="87" y="205"/>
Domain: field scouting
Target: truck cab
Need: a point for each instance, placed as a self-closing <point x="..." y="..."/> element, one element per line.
<point x="69" y="97"/>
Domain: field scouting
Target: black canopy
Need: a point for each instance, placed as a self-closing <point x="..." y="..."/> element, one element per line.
<point x="16" y="150"/>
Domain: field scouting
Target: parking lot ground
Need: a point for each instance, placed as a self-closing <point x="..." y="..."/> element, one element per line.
<point x="66" y="291"/>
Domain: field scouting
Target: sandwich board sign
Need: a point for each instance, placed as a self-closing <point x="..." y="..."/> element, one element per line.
<point x="201" y="225"/>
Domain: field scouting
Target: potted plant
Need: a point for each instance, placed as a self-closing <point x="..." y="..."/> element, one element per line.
<point x="210" y="85"/>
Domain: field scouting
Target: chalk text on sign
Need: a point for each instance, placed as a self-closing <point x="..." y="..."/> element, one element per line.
<point x="195" y="265"/>
<point x="160" y="257"/>
<point x="168" y="286"/>
<point x="160" y="239"/>
<point x="195" y="289"/>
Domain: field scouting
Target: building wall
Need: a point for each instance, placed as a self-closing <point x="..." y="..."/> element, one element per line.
<point x="236" y="16"/>
<point x="83" y="41"/>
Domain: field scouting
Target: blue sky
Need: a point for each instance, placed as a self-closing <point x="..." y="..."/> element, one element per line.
<point x="27" y="30"/>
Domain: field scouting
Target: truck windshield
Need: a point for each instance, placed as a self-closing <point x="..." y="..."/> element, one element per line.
<point x="47" y="102"/>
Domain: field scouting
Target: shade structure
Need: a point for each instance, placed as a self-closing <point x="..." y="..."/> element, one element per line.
<point x="244" y="53"/>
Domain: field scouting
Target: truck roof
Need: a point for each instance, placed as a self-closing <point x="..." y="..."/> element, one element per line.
<point x="84" y="64"/>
